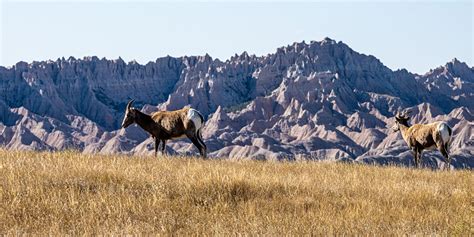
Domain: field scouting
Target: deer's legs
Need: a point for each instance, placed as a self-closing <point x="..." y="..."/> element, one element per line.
<point x="199" y="138"/>
<point x="417" y="160"/>
<point x="443" y="148"/>
<point x="414" y="152"/>
<point x="418" y="153"/>
<point x="199" y="146"/>
<point x="163" y="152"/>
<point x="448" y="162"/>
<point x="157" y="143"/>
<point x="420" y="160"/>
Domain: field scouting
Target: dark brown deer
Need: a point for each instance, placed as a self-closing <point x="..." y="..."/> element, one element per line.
<point x="424" y="136"/>
<point x="166" y="125"/>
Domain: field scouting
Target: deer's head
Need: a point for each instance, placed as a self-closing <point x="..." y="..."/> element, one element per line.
<point x="130" y="115"/>
<point x="401" y="118"/>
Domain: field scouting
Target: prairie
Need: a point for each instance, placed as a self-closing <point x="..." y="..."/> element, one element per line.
<point x="72" y="193"/>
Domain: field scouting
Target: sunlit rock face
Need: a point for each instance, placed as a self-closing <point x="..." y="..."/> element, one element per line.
<point x="319" y="100"/>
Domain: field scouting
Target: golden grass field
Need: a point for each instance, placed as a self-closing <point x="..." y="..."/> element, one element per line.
<point x="71" y="193"/>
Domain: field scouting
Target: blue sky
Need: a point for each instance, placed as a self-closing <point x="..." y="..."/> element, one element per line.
<point x="403" y="34"/>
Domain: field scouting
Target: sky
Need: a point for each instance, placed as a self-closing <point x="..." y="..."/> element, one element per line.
<point x="416" y="35"/>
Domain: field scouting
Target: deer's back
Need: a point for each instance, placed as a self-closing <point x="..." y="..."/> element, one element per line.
<point x="424" y="135"/>
<point x="172" y="121"/>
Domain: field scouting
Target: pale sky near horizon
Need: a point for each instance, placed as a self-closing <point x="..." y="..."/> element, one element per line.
<point x="414" y="35"/>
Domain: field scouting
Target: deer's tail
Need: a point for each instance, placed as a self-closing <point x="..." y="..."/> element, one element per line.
<point x="445" y="133"/>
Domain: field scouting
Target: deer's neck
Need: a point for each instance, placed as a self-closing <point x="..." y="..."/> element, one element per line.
<point x="146" y="122"/>
<point x="404" y="131"/>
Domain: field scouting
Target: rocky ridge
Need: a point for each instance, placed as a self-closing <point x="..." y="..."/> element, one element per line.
<point x="318" y="100"/>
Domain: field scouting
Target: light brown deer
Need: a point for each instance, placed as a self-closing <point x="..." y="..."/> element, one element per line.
<point x="424" y="136"/>
<point x="166" y="125"/>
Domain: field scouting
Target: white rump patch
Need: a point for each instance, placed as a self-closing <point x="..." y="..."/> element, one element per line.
<point x="194" y="116"/>
<point x="443" y="130"/>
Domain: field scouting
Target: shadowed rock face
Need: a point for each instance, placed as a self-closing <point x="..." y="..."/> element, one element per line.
<point x="320" y="100"/>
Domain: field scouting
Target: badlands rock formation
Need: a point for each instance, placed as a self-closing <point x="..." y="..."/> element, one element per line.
<point x="318" y="100"/>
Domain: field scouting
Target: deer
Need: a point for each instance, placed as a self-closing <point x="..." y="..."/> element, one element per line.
<point x="168" y="125"/>
<point x="421" y="137"/>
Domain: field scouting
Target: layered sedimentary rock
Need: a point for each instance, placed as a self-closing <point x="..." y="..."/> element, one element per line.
<point x="317" y="100"/>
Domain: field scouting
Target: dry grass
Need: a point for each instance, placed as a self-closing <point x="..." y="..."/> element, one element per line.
<point x="72" y="193"/>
